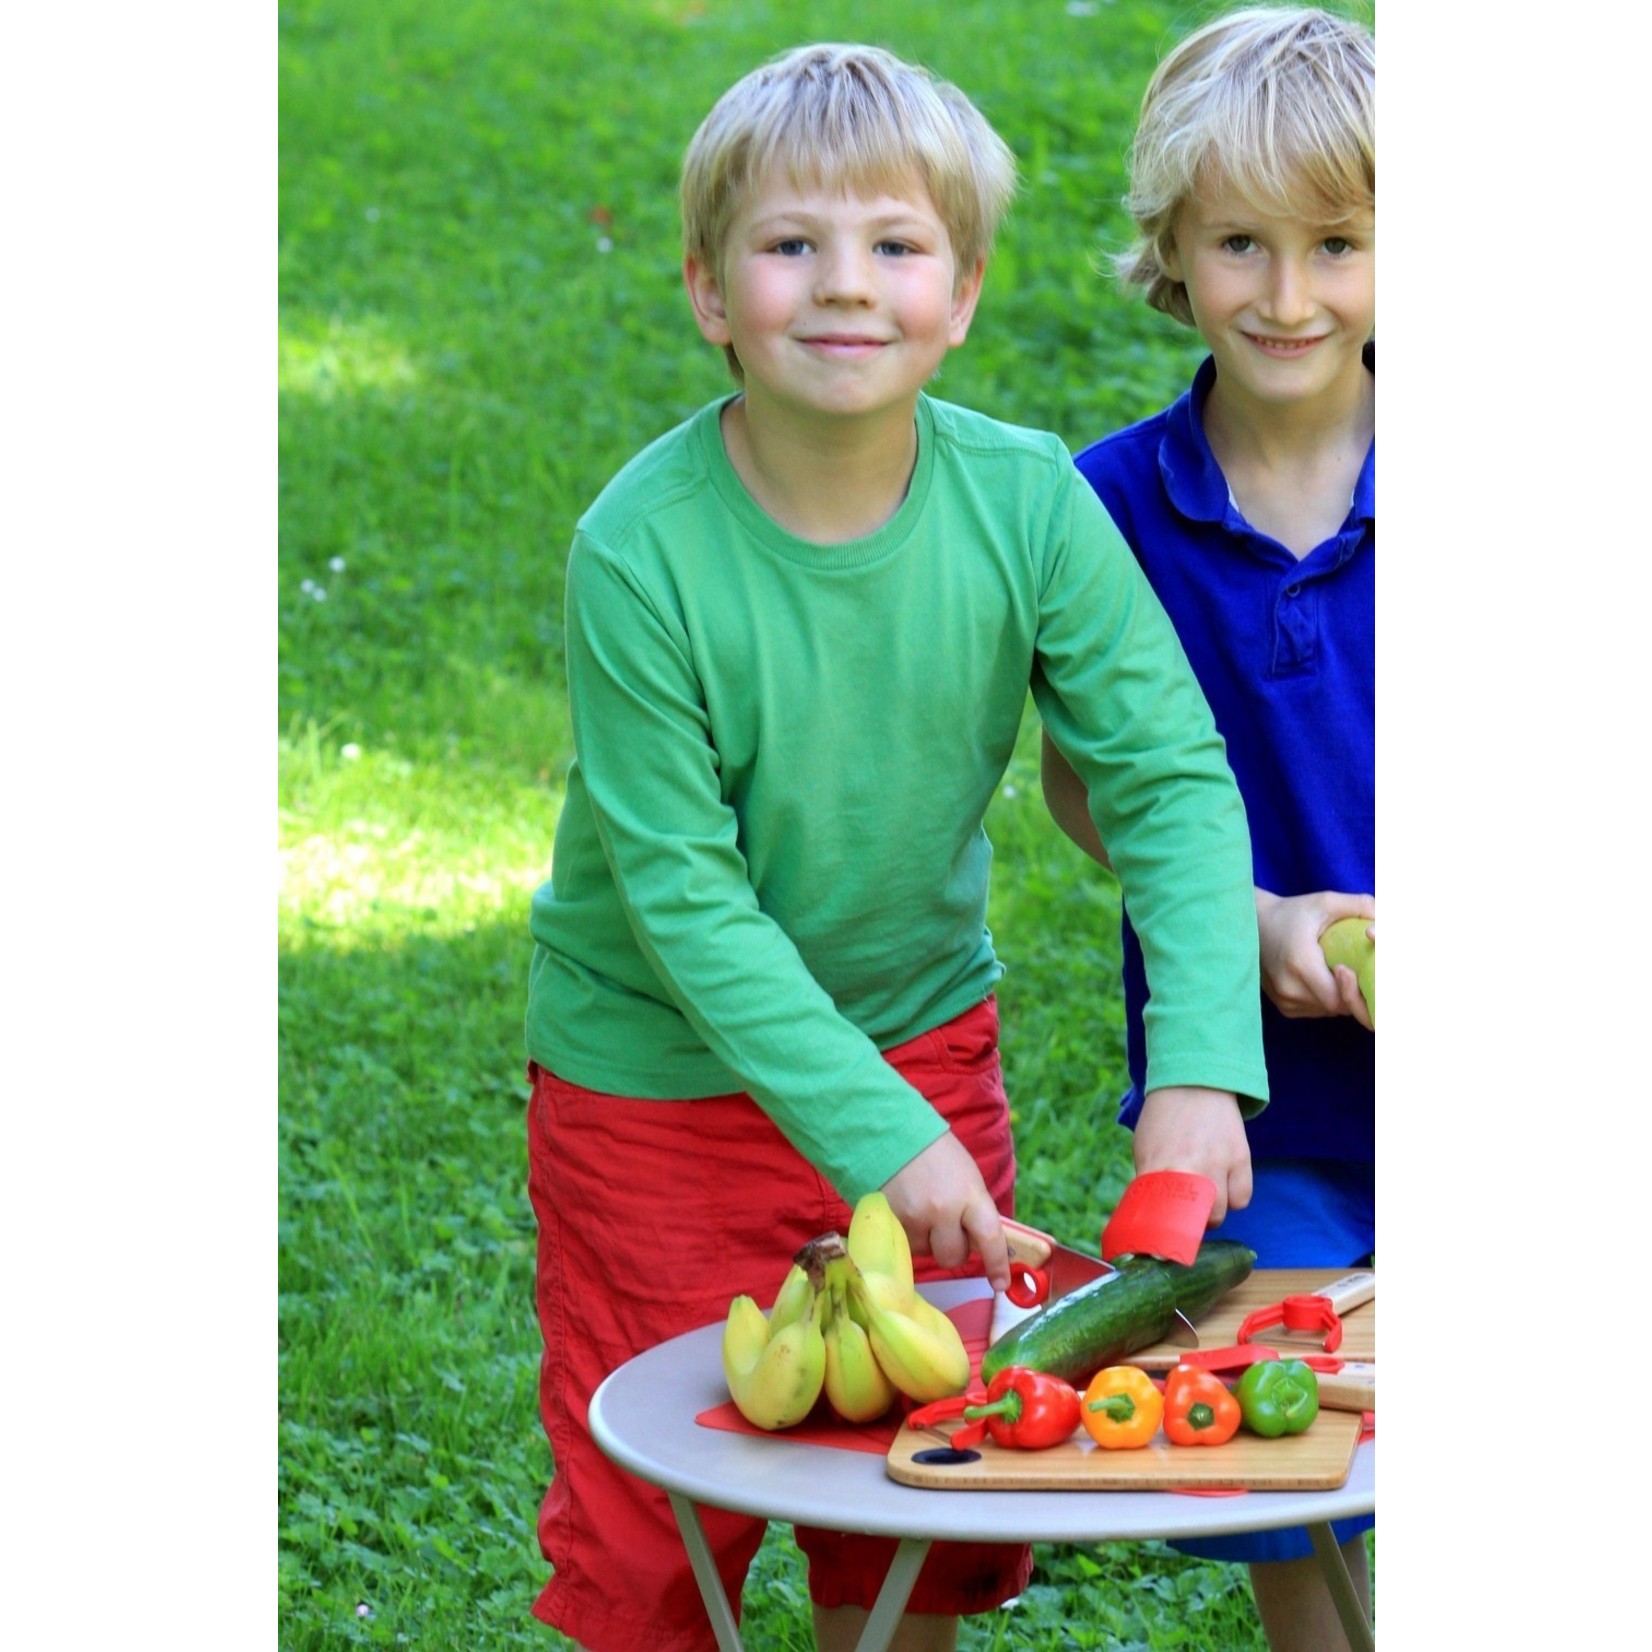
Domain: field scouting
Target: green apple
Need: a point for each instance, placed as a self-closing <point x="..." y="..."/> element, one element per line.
<point x="1346" y="942"/>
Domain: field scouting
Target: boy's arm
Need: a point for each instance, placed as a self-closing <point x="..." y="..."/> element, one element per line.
<point x="1064" y="797"/>
<point x="650" y="765"/>
<point x="1295" y="976"/>
<point x="1124" y="710"/>
<point x="1182" y="1127"/>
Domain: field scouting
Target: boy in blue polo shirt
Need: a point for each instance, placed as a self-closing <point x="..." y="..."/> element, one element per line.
<point x="1250" y="505"/>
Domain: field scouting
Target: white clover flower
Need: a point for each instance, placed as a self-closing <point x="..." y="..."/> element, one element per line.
<point x="604" y="244"/>
<point x="336" y="564"/>
<point x="350" y="752"/>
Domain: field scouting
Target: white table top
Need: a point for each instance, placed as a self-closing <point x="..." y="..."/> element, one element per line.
<point x="643" y="1415"/>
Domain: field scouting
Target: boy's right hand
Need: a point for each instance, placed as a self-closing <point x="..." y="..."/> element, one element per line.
<point x="943" y="1204"/>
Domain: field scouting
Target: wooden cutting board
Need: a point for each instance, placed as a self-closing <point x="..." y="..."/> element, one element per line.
<point x="1220" y="1327"/>
<point x="1318" y="1460"/>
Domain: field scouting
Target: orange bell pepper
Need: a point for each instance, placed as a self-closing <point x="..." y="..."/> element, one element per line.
<point x="1198" y="1408"/>
<point x="1122" y="1408"/>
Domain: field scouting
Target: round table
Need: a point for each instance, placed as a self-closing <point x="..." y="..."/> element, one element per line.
<point x="643" y="1417"/>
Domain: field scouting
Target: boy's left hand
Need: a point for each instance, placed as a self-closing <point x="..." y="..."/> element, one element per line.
<point x="1188" y="1128"/>
<point x="1296" y="978"/>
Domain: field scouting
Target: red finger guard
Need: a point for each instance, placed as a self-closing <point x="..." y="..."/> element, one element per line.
<point x="1028" y="1286"/>
<point x="1297" y="1313"/>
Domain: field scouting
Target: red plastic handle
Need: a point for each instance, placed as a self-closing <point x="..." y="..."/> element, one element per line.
<point x="1028" y="1286"/>
<point x="1297" y="1313"/>
<point x="1235" y="1358"/>
<point x="941" y="1411"/>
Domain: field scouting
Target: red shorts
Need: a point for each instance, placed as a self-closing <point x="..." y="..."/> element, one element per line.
<point x="627" y="1194"/>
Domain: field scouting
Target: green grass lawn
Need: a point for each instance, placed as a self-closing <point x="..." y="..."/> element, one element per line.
<point x="481" y="319"/>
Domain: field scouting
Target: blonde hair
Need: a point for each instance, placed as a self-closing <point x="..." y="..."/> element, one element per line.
<point x="852" y="118"/>
<point x="1277" y="103"/>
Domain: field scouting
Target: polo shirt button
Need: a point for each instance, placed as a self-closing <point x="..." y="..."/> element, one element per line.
<point x="1293" y="590"/>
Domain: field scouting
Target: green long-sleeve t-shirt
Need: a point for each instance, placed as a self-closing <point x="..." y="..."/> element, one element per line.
<point x="771" y="861"/>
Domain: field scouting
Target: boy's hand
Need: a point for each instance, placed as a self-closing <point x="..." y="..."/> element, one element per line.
<point x="946" y="1210"/>
<point x="1185" y="1127"/>
<point x="1296" y="978"/>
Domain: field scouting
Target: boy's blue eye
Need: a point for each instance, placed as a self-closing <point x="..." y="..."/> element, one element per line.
<point x="1337" y="246"/>
<point x="897" y="248"/>
<point x="1237" y="243"/>
<point x="792" y="247"/>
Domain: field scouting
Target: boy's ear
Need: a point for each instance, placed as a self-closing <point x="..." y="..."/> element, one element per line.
<point x="964" y="299"/>
<point x="706" y="296"/>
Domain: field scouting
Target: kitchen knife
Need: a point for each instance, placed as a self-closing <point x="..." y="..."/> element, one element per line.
<point x="1067" y="1270"/>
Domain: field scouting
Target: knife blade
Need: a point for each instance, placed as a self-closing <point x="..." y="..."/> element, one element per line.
<point x="1068" y="1269"/>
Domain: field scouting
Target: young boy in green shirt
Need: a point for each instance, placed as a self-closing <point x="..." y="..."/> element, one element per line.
<point x="801" y="630"/>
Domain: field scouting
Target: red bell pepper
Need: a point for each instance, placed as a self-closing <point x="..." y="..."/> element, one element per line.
<point x="1198" y="1408"/>
<point x="1026" y="1409"/>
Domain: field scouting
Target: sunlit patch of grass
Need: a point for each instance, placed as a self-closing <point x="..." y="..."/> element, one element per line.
<point x="373" y="843"/>
<point x="335" y="357"/>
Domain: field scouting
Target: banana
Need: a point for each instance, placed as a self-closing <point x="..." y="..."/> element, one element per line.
<point x="918" y="1347"/>
<point x="774" y="1376"/>
<point x="934" y="1320"/>
<point x="878" y="1242"/>
<point x="745" y="1336"/>
<point x="857" y="1387"/>
<point x="794" y="1300"/>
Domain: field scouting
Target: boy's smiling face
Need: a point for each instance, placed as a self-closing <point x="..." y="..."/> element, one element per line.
<point x="838" y="306"/>
<point x="1285" y="304"/>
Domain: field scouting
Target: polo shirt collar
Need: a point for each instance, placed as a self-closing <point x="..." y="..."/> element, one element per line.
<point x="1193" y="479"/>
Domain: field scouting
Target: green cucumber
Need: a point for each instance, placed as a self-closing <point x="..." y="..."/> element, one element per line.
<point x="1134" y="1307"/>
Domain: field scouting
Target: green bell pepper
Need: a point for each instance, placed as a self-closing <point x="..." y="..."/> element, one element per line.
<point x="1278" y="1396"/>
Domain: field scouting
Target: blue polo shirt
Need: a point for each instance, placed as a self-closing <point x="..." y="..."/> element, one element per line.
<point x="1285" y="652"/>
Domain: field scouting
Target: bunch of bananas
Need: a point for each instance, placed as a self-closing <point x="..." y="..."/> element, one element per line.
<point x="848" y="1322"/>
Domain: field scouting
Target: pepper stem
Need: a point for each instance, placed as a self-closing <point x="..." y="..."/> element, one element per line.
<point x="1120" y="1407"/>
<point x="1007" y="1406"/>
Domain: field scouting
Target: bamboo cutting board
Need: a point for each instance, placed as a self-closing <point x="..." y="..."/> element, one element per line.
<point x="1318" y="1460"/>
<point x="1220" y="1327"/>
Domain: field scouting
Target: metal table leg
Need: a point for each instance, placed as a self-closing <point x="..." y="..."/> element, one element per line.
<point x="881" y="1624"/>
<point x="909" y="1558"/>
<point x="1354" y="1623"/>
<point x="705" y="1573"/>
<point x="893" y="1596"/>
